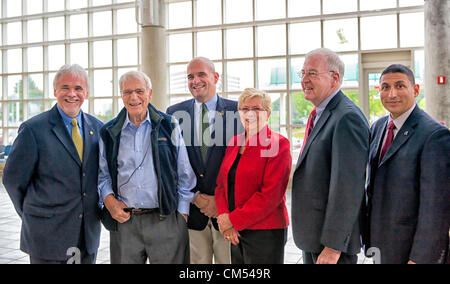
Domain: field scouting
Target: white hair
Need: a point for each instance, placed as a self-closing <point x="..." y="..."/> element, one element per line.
<point x="334" y="63"/>
<point x="136" y="75"/>
<point x="73" y="69"/>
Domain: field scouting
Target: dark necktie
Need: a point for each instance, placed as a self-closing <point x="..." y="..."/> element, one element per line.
<point x="204" y="127"/>
<point x="389" y="139"/>
<point x="309" y="127"/>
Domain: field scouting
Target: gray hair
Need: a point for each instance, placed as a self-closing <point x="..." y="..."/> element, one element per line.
<point x="205" y="60"/>
<point x="334" y="63"/>
<point x="73" y="69"/>
<point x="136" y="75"/>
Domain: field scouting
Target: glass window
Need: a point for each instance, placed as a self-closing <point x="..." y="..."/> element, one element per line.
<point x="351" y="76"/>
<point x="14" y="57"/>
<point x="102" y="23"/>
<point x="178" y="79"/>
<point x="103" y="83"/>
<point x="57" y="58"/>
<point x="35" y="86"/>
<point x="406" y="3"/>
<point x="13" y="8"/>
<point x="341" y="35"/>
<point x="50" y="89"/>
<point x="103" y="109"/>
<point x="412" y="29"/>
<point x="209" y="44"/>
<point x="271" y="40"/>
<point x="35" y="59"/>
<point x="34" y="108"/>
<point x="240" y="75"/>
<point x="127" y="51"/>
<point x="14" y="32"/>
<point x="56" y="30"/>
<point x="77" y="4"/>
<point x="177" y="54"/>
<point x="79" y="54"/>
<point x="238" y="11"/>
<point x="296" y="68"/>
<point x="272" y="74"/>
<point x="267" y="9"/>
<point x="239" y="43"/>
<point x="299" y="32"/>
<point x="341" y="6"/>
<point x="15" y="90"/>
<point x="379" y="32"/>
<point x="302" y="8"/>
<point x="180" y="15"/>
<point x="34" y="31"/>
<point x="34" y="7"/>
<point x="102" y="53"/>
<point x="101" y="2"/>
<point x="126" y="21"/>
<point x="379" y="4"/>
<point x="78" y="26"/>
<point x="54" y="5"/>
<point x="209" y="12"/>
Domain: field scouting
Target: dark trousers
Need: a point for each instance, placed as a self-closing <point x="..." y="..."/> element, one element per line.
<point x="160" y="240"/>
<point x="260" y="247"/>
<point x="311" y="258"/>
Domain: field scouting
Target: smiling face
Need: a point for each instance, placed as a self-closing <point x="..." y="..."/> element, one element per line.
<point x="253" y="115"/>
<point x="202" y="80"/>
<point x="70" y="92"/>
<point x="397" y="92"/>
<point x="322" y="83"/>
<point x="136" y="98"/>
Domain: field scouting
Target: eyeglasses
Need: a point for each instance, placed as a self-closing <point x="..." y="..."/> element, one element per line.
<point x="246" y="109"/>
<point x="311" y="73"/>
<point x="138" y="92"/>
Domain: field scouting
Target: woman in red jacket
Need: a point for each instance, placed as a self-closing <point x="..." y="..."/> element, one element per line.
<point x="251" y="186"/>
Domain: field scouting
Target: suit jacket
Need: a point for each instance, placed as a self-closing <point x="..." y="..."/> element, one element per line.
<point x="54" y="193"/>
<point x="227" y="125"/>
<point x="328" y="183"/>
<point x="261" y="180"/>
<point x="408" y="192"/>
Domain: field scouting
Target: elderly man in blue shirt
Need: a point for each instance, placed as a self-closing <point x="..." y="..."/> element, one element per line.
<point x="145" y="180"/>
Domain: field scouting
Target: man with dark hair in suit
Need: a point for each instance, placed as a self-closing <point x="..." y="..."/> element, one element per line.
<point x="328" y="183"/>
<point x="408" y="190"/>
<point x="51" y="176"/>
<point x="208" y="122"/>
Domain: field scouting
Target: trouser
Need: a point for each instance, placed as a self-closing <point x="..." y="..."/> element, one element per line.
<point x="311" y="258"/>
<point x="208" y="245"/>
<point x="260" y="247"/>
<point x="160" y="240"/>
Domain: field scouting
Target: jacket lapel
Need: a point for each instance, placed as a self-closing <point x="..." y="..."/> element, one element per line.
<point x="59" y="129"/>
<point x="378" y="139"/>
<point x="89" y="134"/>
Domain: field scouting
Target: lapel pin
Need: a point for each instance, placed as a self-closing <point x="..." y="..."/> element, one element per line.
<point x="221" y="113"/>
<point x="91" y="132"/>
<point x="406" y="133"/>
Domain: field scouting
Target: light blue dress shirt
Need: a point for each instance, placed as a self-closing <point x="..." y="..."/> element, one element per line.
<point x="136" y="179"/>
<point x="68" y="122"/>
<point x="321" y="107"/>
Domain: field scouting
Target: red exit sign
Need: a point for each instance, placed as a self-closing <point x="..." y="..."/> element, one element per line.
<point x="441" y="80"/>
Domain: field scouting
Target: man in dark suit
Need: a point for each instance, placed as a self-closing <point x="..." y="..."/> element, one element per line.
<point x="218" y="121"/>
<point x="328" y="183"/>
<point x="51" y="176"/>
<point x="408" y="190"/>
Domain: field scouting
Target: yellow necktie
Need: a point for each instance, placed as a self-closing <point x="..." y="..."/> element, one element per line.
<point x="76" y="137"/>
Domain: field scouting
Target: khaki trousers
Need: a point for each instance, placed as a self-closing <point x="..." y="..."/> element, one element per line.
<point x="209" y="246"/>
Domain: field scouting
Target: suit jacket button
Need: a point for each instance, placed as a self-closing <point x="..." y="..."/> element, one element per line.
<point x="81" y="216"/>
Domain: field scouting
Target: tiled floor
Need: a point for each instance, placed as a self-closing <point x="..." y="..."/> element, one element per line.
<point x="10" y="234"/>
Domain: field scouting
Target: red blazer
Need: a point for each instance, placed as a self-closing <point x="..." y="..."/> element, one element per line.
<point x="262" y="177"/>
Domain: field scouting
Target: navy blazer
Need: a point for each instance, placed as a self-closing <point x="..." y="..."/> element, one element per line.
<point x="206" y="173"/>
<point x="52" y="190"/>
<point x="328" y="183"/>
<point x="409" y="191"/>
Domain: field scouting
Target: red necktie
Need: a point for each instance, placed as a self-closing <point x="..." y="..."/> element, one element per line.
<point x="309" y="127"/>
<point x="389" y="138"/>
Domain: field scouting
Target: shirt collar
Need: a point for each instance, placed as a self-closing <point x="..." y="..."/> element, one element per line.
<point x="68" y="120"/>
<point x="321" y="107"/>
<point x="128" y="122"/>
<point x="210" y="105"/>
<point x="399" y="121"/>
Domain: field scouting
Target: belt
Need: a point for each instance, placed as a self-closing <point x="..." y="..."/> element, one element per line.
<point x="140" y="211"/>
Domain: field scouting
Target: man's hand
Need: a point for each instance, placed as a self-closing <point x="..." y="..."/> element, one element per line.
<point x="210" y="209"/>
<point x="411" y="262"/>
<point x="224" y="223"/>
<point x="200" y="201"/>
<point x="115" y="208"/>
<point x="328" y="256"/>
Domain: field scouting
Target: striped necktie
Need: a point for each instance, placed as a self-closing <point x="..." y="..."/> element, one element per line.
<point x="76" y="137"/>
